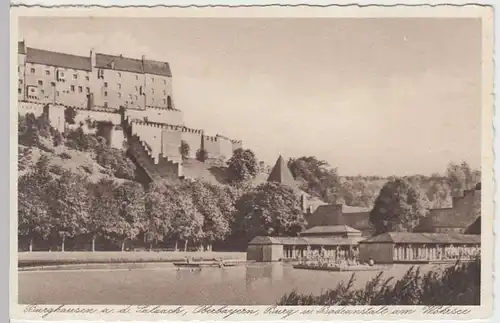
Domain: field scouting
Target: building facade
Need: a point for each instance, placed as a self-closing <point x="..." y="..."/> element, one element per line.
<point x="103" y="87"/>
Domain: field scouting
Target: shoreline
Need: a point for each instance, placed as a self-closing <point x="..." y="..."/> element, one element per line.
<point x="41" y="259"/>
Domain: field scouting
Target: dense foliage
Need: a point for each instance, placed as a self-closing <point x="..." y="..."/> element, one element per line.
<point x="242" y="166"/>
<point x="399" y="207"/>
<point x="57" y="203"/>
<point x="459" y="284"/>
<point x="269" y="209"/>
<point x="317" y="176"/>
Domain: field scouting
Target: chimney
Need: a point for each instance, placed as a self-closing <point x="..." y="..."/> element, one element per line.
<point x="92" y="58"/>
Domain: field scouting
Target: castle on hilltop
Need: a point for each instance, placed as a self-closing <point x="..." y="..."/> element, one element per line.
<point x="132" y="95"/>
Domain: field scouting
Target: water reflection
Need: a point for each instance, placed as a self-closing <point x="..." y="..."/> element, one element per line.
<point x="258" y="274"/>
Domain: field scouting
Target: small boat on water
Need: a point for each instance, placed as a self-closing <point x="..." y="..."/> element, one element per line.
<point x="340" y="268"/>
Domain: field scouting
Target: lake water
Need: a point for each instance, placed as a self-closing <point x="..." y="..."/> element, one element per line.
<point x="163" y="284"/>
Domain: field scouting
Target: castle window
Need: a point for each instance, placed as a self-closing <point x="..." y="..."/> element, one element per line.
<point x="105" y="84"/>
<point x="136" y="77"/>
<point x="19" y="90"/>
<point x="100" y="74"/>
<point x="119" y="86"/>
<point x="72" y="88"/>
<point x="164" y="81"/>
<point x="40" y="82"/>
<point x="153" y="79"/>
<point x="164" y="101"/>
<point x="32" y="71"/>
<point x="105" y="93"/>
<point x="80" y="89"/>
<point x="20" y="82"/>
<point x="119" y="95"/>
<point x="153" y="91"/>
<point x="88" y="89"/>
<point x="42" y="91"/>
<point x="47" y="72"/>
<point x="119" y="74"/>
<point x="130" y="96"/>
<point x="136" y="88"/>
<point x="87" y="78"/>
<point x="57" y="93"/>
<point x="52" y="83"/>
<point x="164" y="92"/>
<point x="75" y="76"/>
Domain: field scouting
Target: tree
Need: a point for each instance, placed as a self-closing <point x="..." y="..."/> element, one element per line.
<point x="132" y="219"/>
<point x="160" y="206"/>
<point x="69" y="115"/>
<point x="104" y="209"/>
<point x="184" y="149"/>
<point x="115" y="160"/>
<point x="201" y="155"/>
<point x="242" y="166"/>
<point x="270" y="209"/>
<point x="317" y="176"/>
<point x="462" y="177"/>
<point x="69" y="205"/>
<point x="399" y="207"/>
<point x="208" y="200"/>
<point x="33" y="202"/>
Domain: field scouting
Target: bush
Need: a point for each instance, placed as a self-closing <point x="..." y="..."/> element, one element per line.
<point x="201" y="155"/>
<point x="456" y="285"/>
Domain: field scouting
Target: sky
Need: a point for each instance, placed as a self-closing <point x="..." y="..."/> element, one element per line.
<point x="382" y="96"/>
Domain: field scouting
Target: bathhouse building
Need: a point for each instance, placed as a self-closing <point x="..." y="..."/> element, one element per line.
<point x="332" y="242"/>
<point x="413" y="247"/>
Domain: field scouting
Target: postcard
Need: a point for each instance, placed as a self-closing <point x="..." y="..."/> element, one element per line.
<point x="252" y="163"/>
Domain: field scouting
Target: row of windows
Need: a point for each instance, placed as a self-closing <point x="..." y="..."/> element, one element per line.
<point x="100" y="75"/>
<point x="60" y="74"/>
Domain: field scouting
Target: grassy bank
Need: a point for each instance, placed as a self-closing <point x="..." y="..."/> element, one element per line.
<point x="31" y="259"/>
<point x="458" y="284"/>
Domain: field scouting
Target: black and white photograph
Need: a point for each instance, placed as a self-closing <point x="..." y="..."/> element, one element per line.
<point x="253" y="161"/>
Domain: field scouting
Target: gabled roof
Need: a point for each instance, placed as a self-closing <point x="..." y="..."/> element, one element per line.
<point x="281" y="173"/>
<point x="424" y="238"/>
<point x="45" y="57"/>
<point x="330" y="229"/>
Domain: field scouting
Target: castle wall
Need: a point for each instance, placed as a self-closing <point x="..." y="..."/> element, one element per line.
<point x="211" y="146"/>
<point x="117" y="138"/>
<point x="83" y="115"/>
<point x="56" y="117"/>
<point x="150" y="134"/>
<point x="236" y="144"/>
<point x="55" y="112"/>
<point x="193" y="138"/>
<point x="171" y="143"/>
<point x="225" y="147"/>
<point x="171" y="117"/>
<point x="25" y="108"/>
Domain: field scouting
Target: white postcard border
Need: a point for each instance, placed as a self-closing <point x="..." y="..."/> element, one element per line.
<point x="193" y="312"/>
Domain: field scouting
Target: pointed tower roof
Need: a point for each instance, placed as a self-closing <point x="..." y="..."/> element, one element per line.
<point x="281" y="173"/>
